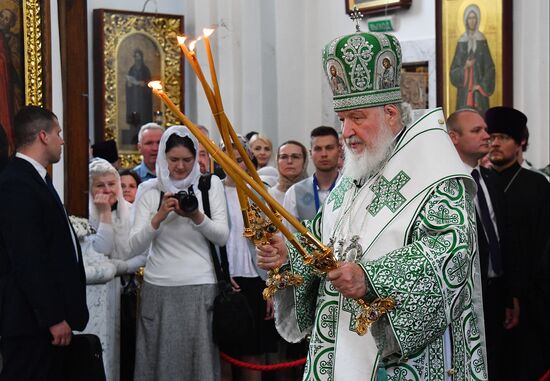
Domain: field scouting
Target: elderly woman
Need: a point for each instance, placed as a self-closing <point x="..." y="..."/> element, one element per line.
<point x="109" y="212"/>
<point x="174" y="337"/>
<point x="110" y="217"/>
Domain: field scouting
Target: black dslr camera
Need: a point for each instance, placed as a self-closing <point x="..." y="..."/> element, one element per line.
<point x="187" y="200"/>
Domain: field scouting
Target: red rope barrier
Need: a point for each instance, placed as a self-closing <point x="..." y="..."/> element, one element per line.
<point x="259" y="367"/>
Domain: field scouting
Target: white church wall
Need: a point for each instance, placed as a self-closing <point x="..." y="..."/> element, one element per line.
<point x="531" y="75"/>
<point x="57" y="98"/>
<point x="268" y="55"/>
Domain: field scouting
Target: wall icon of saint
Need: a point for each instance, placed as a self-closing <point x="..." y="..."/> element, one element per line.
<point x="138" y="62"/>
<point x="139" y="102"/>
<point x="11" y="89"/>
<point x="472" y="68"/>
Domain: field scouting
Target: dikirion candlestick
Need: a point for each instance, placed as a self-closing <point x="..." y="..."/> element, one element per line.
<point x="317" y="255"/>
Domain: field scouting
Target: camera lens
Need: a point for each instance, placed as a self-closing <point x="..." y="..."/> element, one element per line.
<point x="187" y="201"/>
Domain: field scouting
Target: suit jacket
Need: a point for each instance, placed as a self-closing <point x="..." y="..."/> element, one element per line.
<point x="41" y="281"/>
<point x="494" y="187"/>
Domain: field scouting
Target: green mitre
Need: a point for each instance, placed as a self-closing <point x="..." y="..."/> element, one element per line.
<point x="363" y="70"/>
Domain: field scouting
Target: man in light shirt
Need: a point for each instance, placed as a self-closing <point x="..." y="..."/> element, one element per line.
<point x="304" y="198"/>
<point x="148" y="146"/>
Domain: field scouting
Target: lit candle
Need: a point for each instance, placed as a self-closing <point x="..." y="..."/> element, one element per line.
<point x="224" y="125"/>
<point x="191" y="57"/>
<point x="215" y="106"/>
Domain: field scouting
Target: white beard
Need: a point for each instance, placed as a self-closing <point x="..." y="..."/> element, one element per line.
<point x="361" y="165"/>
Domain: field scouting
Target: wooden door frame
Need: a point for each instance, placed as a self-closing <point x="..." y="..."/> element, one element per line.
<point x="73" y="35"/>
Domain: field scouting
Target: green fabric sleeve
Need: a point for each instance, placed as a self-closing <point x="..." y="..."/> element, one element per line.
<point x="428" y="276"/>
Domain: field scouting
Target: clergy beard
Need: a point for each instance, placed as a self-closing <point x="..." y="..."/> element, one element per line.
<point x="502" y="162"/>
<point x="361" y="165"/>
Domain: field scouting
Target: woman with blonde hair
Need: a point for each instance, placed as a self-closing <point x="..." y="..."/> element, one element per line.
<point x="262" y="148"/>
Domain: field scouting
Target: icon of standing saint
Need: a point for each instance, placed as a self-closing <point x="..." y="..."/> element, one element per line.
<point x="472" y="69"/>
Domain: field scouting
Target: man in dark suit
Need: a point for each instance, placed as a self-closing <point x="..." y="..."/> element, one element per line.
<point x="42" y="280"/>
<point x="468" y="133"/>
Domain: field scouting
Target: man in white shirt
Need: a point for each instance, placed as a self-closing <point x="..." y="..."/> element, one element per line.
<point x="304" y="198"/>
<point x="42" y="280"/>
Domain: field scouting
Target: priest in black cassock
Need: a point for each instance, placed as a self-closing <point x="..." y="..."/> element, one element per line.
<point x="527" y="202"/>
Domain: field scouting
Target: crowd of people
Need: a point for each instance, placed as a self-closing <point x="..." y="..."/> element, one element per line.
<point x="443" y="219"/>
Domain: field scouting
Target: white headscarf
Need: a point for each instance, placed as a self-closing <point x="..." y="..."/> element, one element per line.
<point x="121" y="215"/>
<point x="476" y="35"/>
<point x="163" y="181"/>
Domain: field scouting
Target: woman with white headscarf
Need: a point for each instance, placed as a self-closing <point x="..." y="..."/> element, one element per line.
<point x="174" y="338"/>
<point x="109" y="212"/>
<point x="110" y="218"/>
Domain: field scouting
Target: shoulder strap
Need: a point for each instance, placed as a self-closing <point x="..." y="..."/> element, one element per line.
<point x="222" y="270"/>
<point x="160" y="200"/>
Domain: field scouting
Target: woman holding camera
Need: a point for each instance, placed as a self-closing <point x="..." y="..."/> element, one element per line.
<point x="174" y="338"/>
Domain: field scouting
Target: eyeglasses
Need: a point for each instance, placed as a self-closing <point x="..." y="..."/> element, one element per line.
<point x="293" y="157"/>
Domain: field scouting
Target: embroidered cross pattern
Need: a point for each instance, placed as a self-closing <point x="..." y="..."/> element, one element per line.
<point x="459" y="271"/>
<point x="438" y="243"/>
<point x="325" y="366"/>
<point x="443" y="216"/>
<point x="357" y="53"/>
<point x="330" y="320"/>
<point x="387" y="193"/>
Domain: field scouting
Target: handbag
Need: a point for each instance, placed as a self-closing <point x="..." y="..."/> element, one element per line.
<point x="84" y="359"/>
<point x="232" y="314"/>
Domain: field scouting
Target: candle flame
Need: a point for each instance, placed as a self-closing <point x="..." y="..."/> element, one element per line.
<point x="208" y="31"/>
<point x="192" y="45"/>
<point x="181" y="39"/>
<point x="155" y="85"/>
